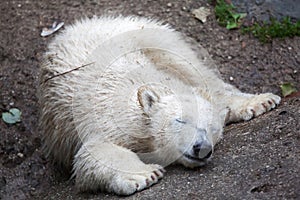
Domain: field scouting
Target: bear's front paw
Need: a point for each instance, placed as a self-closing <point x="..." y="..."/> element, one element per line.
<point x="127" y="183"/>
<point x="259" y="104"/>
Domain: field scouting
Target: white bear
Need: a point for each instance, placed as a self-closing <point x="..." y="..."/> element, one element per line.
<point x="123" y="97"/>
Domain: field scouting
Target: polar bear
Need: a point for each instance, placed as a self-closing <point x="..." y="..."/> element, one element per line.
<point x="123" y="97"/>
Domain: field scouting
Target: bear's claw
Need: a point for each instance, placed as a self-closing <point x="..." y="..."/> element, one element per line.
<point x="128" y="183"/>
<point x="259" y="105"/>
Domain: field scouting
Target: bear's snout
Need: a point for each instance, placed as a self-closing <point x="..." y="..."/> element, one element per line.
<point x="203" y="149"/>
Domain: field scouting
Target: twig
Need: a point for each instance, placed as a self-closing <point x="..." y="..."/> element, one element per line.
<point x="77" y="68"/>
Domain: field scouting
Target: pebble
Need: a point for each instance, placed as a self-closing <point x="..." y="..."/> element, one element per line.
<point x="259" y="2"/>
<point x="20" y="155"/>
<point x="231" y="78"/>
<point x="169" y="4"/>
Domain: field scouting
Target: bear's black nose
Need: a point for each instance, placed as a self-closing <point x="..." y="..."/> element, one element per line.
<point x="202" y="149"/>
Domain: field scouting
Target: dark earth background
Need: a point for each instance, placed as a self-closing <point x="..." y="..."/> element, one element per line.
<point x="259" y="159"/>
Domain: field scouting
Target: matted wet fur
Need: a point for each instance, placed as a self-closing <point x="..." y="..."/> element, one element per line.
<point x="147" y="97"/>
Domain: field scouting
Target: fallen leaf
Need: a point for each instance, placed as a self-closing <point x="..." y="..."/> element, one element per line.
<point x="12" y="116"/>
<point x="201" y="13"/>
<point x="55" y="27"/>
<point x="287" y="89"/>
<point x="294" y="94"/>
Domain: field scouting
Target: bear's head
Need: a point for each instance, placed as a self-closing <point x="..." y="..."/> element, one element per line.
<point x="184" y="127"/>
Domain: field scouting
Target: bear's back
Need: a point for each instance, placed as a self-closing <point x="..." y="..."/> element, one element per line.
<point x="79" y="40"/>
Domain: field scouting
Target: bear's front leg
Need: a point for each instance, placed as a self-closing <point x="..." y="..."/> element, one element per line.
<point x="105" y="166"/>
<point x="247" y="106"/>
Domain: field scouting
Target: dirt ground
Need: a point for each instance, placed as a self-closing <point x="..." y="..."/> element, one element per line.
<point x="258" y="159"/>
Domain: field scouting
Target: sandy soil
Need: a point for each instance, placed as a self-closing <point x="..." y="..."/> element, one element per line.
<point x="258" y="159"/>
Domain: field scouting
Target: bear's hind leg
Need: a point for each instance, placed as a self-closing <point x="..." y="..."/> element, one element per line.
<point x="104" y="166"/>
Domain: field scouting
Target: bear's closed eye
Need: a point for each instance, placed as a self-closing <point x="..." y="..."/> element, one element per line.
<point x="180" y="121"/>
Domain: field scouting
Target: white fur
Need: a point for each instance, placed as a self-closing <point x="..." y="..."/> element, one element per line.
<point x="144" y="99"/>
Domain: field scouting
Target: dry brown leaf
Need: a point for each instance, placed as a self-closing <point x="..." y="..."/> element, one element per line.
<point x="201" y="13"/>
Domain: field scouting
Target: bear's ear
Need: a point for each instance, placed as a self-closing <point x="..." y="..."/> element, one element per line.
<point x="147" y="98"/>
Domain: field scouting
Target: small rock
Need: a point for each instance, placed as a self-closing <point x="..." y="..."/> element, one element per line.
<point x="20" y="155"/>
<point x="231" y="78"/>
<point x="169" y="4"/>
<point x="259" y="2"/>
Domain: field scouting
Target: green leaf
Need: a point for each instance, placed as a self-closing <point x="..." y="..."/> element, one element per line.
<point x="287" y="89"/>
<point x="227" y="16"/>
<point x="231" y="25"/>
<point x="242" y="15"/>
<point x="12" y="116"/>
<point x="236" y="16"/>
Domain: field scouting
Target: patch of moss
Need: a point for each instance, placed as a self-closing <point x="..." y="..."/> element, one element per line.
<point x="227" y="16"/>
<point x="275" y="29"/>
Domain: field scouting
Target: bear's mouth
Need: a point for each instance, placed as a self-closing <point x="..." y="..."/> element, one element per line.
<point x="195" y="159"/>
